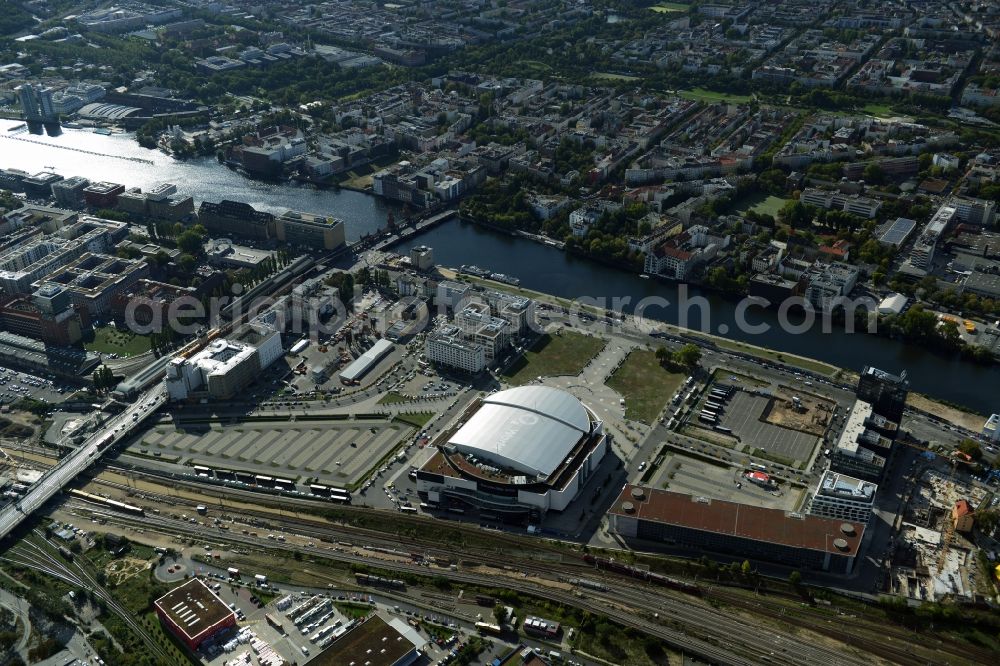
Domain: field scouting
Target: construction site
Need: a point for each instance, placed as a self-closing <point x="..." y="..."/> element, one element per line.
<point x="798" y="410"/>
<point x="933" y="557"/>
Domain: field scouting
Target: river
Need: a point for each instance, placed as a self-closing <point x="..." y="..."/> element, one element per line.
<point x="202" y="178"/>
<point x="552" y="271"/>
<point x="538" y="266"/>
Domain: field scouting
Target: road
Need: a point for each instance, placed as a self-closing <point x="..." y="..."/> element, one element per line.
<point x="116" y="428"/>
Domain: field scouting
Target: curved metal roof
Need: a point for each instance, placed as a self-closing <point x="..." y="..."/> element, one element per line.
<point x="530" y="429"/>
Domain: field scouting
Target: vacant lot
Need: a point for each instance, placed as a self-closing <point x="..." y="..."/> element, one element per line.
<point x="561" y="353"/>
<point x="645" y="385"/>
<point x="811" y="414"/>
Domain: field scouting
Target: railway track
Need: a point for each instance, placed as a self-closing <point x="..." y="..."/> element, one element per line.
<point x="317" y="529"/>
<point x="693" y="628"/>
<point x="75" y="574"/>
<point x="836" y="628"/>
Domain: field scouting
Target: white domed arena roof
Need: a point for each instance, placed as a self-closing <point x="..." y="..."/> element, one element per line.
<point x="530" y="429"/>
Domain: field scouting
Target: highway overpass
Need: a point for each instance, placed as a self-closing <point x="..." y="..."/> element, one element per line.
<point x="114" y="430"/>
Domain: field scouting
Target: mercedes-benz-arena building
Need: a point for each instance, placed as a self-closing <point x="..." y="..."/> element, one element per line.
<point x="515" y="455"/>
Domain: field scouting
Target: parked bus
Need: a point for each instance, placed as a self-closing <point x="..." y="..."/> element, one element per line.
<point x="408" y="509"/>
<point x="486" y="628"/>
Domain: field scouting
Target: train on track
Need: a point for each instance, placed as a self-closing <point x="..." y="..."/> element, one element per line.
<point x="378" y="581"/>
<point x="114" y="505"/>
<point x="606" y="564"/>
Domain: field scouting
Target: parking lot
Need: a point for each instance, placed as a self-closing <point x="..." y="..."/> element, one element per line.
<point x="334" y="452"/>
<point x="17" y="385"/>
<point x="742" y="415"/>
<point x="685" y="474"/>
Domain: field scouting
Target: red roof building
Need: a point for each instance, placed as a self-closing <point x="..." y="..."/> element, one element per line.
<point x="747" y="531"/>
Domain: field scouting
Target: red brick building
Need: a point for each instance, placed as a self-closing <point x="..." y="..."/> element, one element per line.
<point x="194" y="613"/>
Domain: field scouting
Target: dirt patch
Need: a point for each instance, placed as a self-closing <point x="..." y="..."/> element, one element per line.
<point x="119" y="571"/>
<point x="797" y="410"/>
<point x="521" y="576"/>
<point x="973" y="422"/>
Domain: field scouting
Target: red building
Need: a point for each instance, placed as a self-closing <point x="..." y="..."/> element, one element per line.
<point x="102" y="195"/>
<point x="194" y="613"/>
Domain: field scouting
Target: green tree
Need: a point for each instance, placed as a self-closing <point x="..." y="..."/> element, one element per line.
<point x="688" y="356"/>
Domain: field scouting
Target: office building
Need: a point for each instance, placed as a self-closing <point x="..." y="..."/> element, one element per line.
<point x="422" y="257"/>
<point x="39" y="185"/>
<point x="843" y="497"/>
<point x="69" y="192"/>
<point x="102" y="195"/>
<point x="93" y="280"/>
<point x="237" y="220"/>
<point x="226" y="366"/>
<point x="312" y="232"/>
<point x="48" y="316"/>
<point x="447" y="347"/>
<point x="707" y="525"/>
<point x="36" y="103"/>
<point x="886" y="392"/>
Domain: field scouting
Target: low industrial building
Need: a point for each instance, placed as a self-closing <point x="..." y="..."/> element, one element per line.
<point x="739" y="530"/>
<point x="18" y="351"/>
<point x="843" y="497"/>
<point x="374" y="642"/>
<point x="520" y="452"/>
<point x="353" y="373"/>
<point x="194" y="613"/>
<point x="991" y="429"/>
<point x="226" y="366"/>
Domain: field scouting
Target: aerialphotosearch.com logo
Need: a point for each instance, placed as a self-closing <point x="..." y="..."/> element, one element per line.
<point x="321" y="316"/>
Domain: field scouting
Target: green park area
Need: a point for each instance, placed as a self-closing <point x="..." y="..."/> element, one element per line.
<point x="560" y="353"/>
<point x="645" y="385"/>
<point x="759" y="202"/>
<point x="713" y="97"/>
<point x="111" y="340"/>
<point x="669" y="7"/>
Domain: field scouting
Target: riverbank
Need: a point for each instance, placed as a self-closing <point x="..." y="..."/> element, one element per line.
<point x="962" y="417"/>
<point x="968" y="351"/>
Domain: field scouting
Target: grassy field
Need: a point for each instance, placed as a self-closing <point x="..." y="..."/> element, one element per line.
<point x="565" y="353"/>
<point x="645" y="385"/>
<point x="110" y="340"/>
<point x="668" y="7"/>
<point x="711" y="97"/>
<point x="392" y="397"/>
<point x="759" y="202"/>
<point x="608" y="76"/>
<point x="417" y="419"/>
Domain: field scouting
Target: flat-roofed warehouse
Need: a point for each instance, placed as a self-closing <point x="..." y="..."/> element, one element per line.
<point x="742" y="530"/>
<point x="194" y="613"/>
<point x="530" y="448"/>
<point x="362" y="364"/>
<point x="374" y="642"/>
